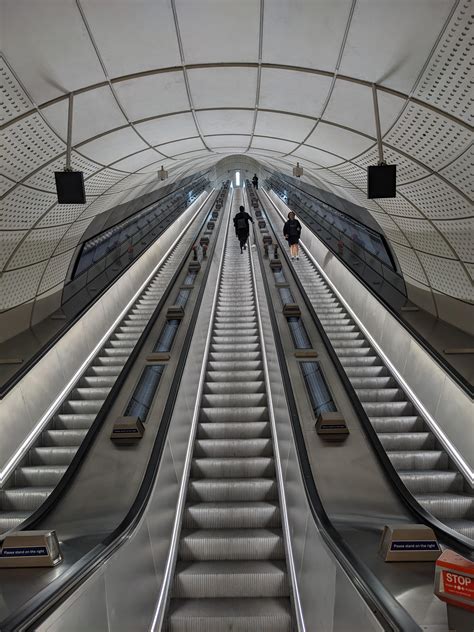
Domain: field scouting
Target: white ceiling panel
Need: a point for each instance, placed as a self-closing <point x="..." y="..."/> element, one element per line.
<point x="448" y="276"/>
<point x="399" y="206"/>
<point x="283" y="146"/>
<point x="107" y="115"/>
<point x="14" y="100"/>
<point x="22" y="207"/>
<point x="225" y="121"/>
<point x="152" y="95"/>
<point x="64" y="213"/>
<point x="56" y="271"/>
<point x="293" y="91"/>
<point x="443" y="83"/>
<point x="167" y="163"/>
<point x="113" y="146"/>
<point x="37" y="246"/>
<point x="436" y="199"/>
<point x="44" y="178"/>
<point x="460" y="235"/>
<point x="168" y="128"/>
<point x="409" y="263"/>
<point x="230" y="140"/>
<point x="194" y="154"/>
<point x="407" y="170"/>
<point x="294" y="128"/>
<point x="9" y="240"/>
<point x="182" y="146"/>
<point x="144" y="36"/>
<point x="351" y="105"/>
<point x="138" y="161"/>
<point x="19" y="286"/>
<point x="317" y="156"/>
<point x="304" y="33"/>
<point x="422" y="236"/>
<point x="459" y="172"/>
<point x="219" y="31"/>
<point x="59" y="56"/>
<point x="428" y="136"/>
<point x="388" y="42"/>
<point x="223" y="87"/>
<point x="339" y="141"/>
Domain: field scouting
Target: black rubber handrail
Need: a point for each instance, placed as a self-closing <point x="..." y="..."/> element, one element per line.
<point x="382" y="603"/>
<point x="454" y="539"/>
<point x="38" y="607"/>
<point x="460" y="380"/>
<point x="12" y="381"/>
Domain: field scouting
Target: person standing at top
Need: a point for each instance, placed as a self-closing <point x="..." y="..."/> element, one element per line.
<point x="292" y="232"/>
<point x="241" y="224"/>
<point x="255" y="181"/>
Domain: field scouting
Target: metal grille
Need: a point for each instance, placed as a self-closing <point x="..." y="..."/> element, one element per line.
<point x="298" y="333"/>
<point x="167" y="335"/>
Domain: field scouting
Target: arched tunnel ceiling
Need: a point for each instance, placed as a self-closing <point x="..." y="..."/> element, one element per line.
<point x="183" y="83"/>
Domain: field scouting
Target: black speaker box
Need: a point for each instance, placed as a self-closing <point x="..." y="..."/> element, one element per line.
<point x="70" y="187"/>
<point x="382" y="181"/>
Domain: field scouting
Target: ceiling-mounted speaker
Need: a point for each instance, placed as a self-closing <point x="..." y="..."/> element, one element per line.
<point x="297" y="171"/>
<point x="382" y="181"/>
<point x="70" y="187"/>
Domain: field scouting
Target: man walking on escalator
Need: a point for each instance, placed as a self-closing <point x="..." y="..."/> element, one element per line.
<point x="241" y="225"/>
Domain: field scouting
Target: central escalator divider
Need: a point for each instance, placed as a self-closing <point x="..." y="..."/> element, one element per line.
<point x="231" y="571"/>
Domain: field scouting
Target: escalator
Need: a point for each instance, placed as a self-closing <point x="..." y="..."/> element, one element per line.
<point x="418" y="457"/>
<point x="50" y="455"/>
<point x="231" y="570"/>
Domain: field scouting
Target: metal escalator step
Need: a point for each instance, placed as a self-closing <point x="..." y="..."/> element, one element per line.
<point x="69" y="421"/>
<point x="105" y="366"/>
<point x="232" y="490"/>
<point x="381" y="395"/>
<point x="120" y="352"/>
<point x="63" y="437"/>
<point x="376" y="383"/>
<point x="23" y="498"/>
<point x="235" y="356"/>
<point x="236" y="430"/>
<point x="239" y="365"/>
<point x="243" y="347"/>
<point x="432" y="481"/>
<point x="350" y="352"/>
<point x="236" y="341"/>
<point x="246" y="467"/>
<point x="247" y="413"/>
<point x="51" y="456"/>
<point x="94" y="381"/>
<point x="361" y="361"/>
<point x="388" y="409"/>
<point x="367" y="370"/>
<point x="449" y="506"/>
<point x="465" y="527"/>
<point x="82" y="406"/>
<point x="232" y="448"/>
<point x="11" y="519"/>
<point x="234" y="376"/>
<point x="344" y="335"/>
<point x="39" y="475"/>
<point x="95" y="393"/>
<point x="407" y="441"/>
<point x="228" y="578"/>
<point x="398" y="424"/>
<point x="418" y="460"/>
<point x="235" y="515"/>
<point x="234" y="400"/>
<point x="234" y="387"/>
<point x="232" y="544"/>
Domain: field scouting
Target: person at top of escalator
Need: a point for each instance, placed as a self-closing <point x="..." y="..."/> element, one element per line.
<point x="241" y="225"/>
<point x="292" y="232"/>
<point x="255" y="181"/>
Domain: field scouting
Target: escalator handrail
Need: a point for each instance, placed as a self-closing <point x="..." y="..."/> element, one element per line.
<point x="39" y="606"/>
<point x="454" y="539"/>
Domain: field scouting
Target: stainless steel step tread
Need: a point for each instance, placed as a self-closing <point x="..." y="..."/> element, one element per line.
<point x="231" y="544"/>
<point x="265" y="614"/>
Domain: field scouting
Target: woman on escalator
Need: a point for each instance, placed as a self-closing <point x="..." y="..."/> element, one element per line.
<point x="292" y="232"/>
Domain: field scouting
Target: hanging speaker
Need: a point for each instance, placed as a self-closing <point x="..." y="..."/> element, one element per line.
<point x="70" y="187"/>
<point x="382" y="181"/>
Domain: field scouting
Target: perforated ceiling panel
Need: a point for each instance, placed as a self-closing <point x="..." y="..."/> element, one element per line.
<point x="279" y="81"/>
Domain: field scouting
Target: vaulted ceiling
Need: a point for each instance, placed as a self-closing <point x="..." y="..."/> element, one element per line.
<point x="183" y="83"/>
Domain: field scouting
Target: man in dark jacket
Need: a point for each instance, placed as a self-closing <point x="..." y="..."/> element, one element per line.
<point x="255" y="181"/>
<point x="241" y="225"/>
